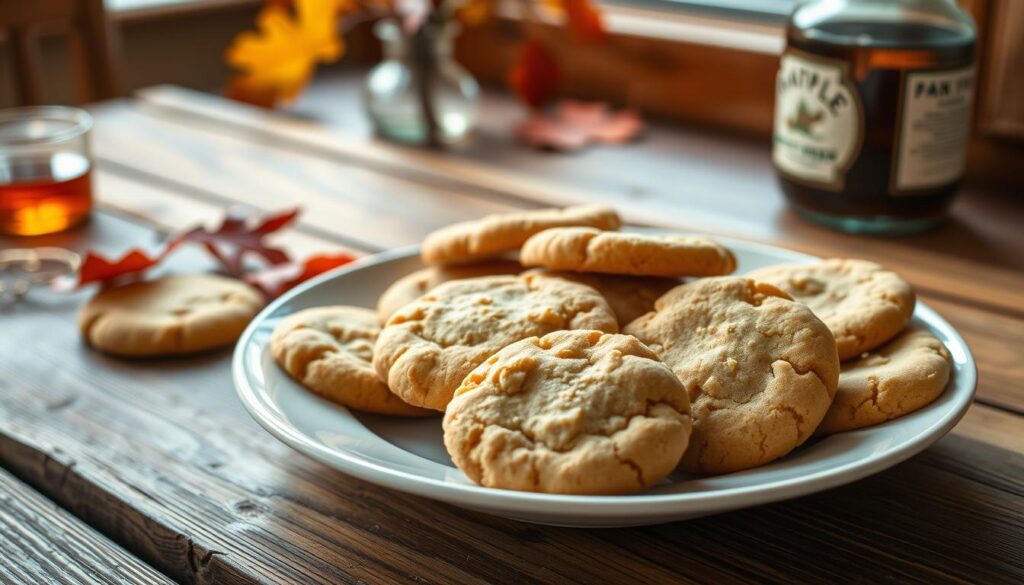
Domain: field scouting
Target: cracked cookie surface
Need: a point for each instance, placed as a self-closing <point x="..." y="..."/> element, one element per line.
<point x="412" y="286"/>
<point x="428" y="346"/>
<point x="863" y="304"/>
<point x="169" y="316"/>
<point x="760" y="370"/>
<point x="628" y="296"/>
<point x="900" y="377"/>
<point x="592" y="250"/>
<point x="495" y="234"/>
<point x="573" y="412"/>
<point x="329" y="350"/>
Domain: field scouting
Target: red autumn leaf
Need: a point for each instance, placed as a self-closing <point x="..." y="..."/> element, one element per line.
<point x="276" y="280"/>
<point x="535" y="75"/>
<point x="574" y="125"/>
<point x="96" y="268"/>
<point x="584" y="21"/>
<point x="236" y="237"/>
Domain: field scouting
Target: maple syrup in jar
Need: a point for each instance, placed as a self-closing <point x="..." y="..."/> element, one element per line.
<point x="45" y="169"/>
<point x="872" y="112"/>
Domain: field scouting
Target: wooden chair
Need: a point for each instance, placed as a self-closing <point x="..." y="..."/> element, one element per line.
<point x="85" y="25"/>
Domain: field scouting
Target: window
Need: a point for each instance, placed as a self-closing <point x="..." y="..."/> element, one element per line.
<point x="761" y="10"/>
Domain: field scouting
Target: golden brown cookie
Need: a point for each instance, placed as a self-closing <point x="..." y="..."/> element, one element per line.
<point x="863" y="304"/>
<point x="330" y="351"/>
<point x="574" y="412"/>
<point x="429" y="345"/>
<point x="900" y="377"/>
<point x="760" y="369"/>
<point x="169" y="316"/>
<point x="500" y="233"/>
<point x="628" y="296"/>
<point x="412" y="286"/>
<point x="592" y="250"/>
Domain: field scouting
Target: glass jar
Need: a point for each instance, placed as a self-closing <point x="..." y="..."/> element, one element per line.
<point x="45" y="169"/>
<point x="418" y="94"/>
<point x="872" y="112"/>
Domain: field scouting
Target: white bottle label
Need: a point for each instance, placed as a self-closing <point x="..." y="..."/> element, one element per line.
<point x="818" y="120"/>
<point x="934" y="122"/>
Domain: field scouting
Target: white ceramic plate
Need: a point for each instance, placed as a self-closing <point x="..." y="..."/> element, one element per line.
<point x="408" y="454"/>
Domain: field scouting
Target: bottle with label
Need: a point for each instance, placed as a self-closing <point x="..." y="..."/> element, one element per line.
<point x="872" y="111"/>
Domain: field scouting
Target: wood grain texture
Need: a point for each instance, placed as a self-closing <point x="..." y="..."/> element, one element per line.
<point x="170" y="212"/>
<point x="370" y="210"/>
<point x="994" y="426"/>
<point x="206" y="497"/>
<point x="41" y="543"/>
<point x="996" y="341"/>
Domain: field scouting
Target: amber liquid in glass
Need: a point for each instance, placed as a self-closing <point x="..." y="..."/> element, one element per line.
<point x="877" y="70"/>
<point x="45" y="193"/>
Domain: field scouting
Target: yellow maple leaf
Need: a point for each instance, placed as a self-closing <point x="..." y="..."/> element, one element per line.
<point x="278" y="58"/>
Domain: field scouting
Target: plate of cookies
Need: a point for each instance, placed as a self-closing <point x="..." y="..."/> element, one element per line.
<point x="551" y="367"/>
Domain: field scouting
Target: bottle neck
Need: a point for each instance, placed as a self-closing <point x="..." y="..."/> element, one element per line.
<point x="397" y="45"/>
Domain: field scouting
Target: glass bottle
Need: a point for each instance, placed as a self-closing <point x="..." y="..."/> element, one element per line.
<point x="419" y="74"/>
<point x="872" y="112"/>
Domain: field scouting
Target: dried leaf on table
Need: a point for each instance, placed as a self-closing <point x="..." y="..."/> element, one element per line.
<point x="573" y="125"/>
<point x="535" y="75"/>
<point x="97" y="269"/>
<point x="236" y="236"/>
<point x="277" y="60"/>
<point x="275" y="280"/>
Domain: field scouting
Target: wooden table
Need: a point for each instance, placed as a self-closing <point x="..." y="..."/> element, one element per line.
<point x="144" y="471"/>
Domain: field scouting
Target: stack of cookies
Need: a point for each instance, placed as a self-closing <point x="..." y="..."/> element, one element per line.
<point x="590" y="366"/>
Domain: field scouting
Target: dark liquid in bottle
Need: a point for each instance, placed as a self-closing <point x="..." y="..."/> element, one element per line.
<point x="877" y="70"/>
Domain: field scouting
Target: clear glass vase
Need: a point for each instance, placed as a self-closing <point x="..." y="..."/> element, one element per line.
<point x="418" y="94"/>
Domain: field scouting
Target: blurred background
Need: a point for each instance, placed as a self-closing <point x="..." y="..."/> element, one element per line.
<point x="709" y="63"/>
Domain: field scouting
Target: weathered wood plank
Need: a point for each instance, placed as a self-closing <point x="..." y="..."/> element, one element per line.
<point x="993" y="426"/>
<point x="41" y="543"/>
<point x="169" y="211"/>
<point x="690" y="180"/>
<point x="150" y="453"/>
<point x="996" y="341"/>
<point x="367" y="209"/>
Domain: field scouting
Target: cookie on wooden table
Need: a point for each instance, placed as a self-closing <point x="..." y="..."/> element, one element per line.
<point x="428" y="346"/>
<point x="628" y="296"/>
<point x="592" y="250"/>
<point x="330" y="351"/>
<point x="898" y="378"/>
<point x="412" y="286"/>
<point x="169" y="316"/>
<point x="863" y="304"/>
<point x="573" y="412"/>
<point x="760" y="369"/>
<point x="496" y="234"/>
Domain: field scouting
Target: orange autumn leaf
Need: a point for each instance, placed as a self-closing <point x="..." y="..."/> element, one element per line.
<point x="584" y="20"/>
<point x="535" y="75"/>
<point x="278" y="59"/>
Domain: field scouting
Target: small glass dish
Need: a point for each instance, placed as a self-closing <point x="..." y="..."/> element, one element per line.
<point x="45" y="169"/>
